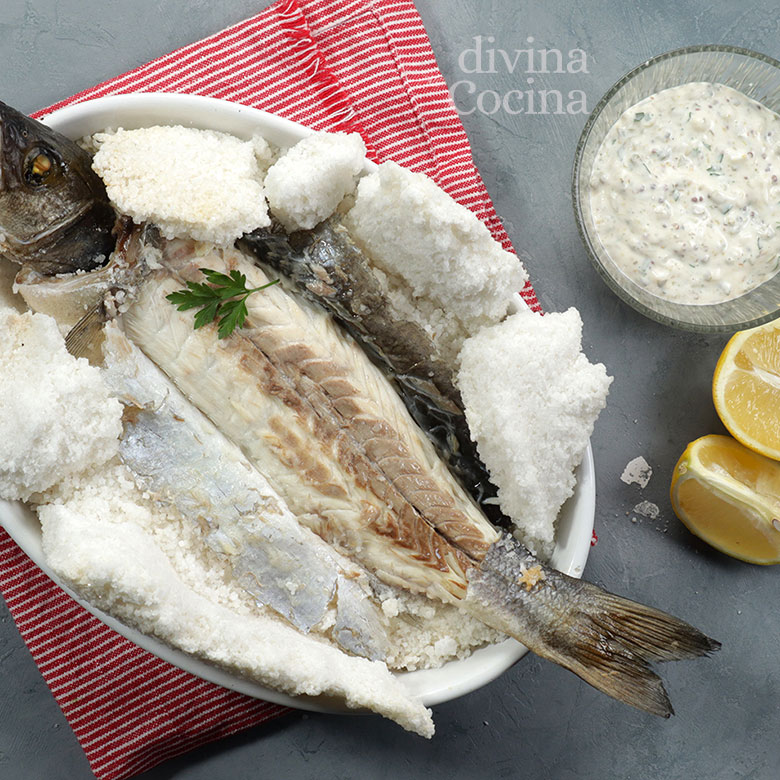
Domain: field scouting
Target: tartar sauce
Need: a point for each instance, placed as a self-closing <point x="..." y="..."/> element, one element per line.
<point x="685" y="196"/>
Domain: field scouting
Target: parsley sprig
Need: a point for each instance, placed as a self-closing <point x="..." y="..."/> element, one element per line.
<point x="221" y="297"/>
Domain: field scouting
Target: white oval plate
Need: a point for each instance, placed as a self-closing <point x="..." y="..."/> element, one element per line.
<point x="433" y="686"/>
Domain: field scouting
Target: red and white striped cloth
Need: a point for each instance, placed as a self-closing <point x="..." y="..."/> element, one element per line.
<point x="350" y="65"/>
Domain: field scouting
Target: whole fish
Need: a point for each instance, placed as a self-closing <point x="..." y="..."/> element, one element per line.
<point x="321" y="422"/>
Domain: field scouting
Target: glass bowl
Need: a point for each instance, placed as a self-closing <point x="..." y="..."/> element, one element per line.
<point x="753" y="74"/>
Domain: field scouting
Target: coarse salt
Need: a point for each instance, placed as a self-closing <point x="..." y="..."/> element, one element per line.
<point x="533" y="419"/>
<point x="637" y="471"/>
<point x="647" y="509"/>
<point x="191" y="183"/>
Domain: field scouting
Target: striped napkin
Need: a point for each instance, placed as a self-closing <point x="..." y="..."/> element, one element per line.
<point x="347" y="65"/>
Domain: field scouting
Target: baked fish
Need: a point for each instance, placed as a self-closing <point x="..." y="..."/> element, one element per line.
<point x="328" y="431"/>
<point x="322" y="423"/>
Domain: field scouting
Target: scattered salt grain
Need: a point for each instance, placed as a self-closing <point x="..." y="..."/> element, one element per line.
<point x="647" y="509"/>
<point x="637" y="471"/>
<point x="390" y="607"/>
<point x="307" y="183"/>
<point x="445" y="646"/>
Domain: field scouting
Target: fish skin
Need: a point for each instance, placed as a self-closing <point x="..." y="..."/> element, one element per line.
<point x="186" y="463"/>
<point x="57" y="221"/>
<point x="330" y="270"/>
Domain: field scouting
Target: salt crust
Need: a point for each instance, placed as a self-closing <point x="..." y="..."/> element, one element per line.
<point x="145" y="567"/>
<point x="533" y="419"/>
<point x="191" y="183"/>
<point x="423" y="633"/>
<point x="57" y="416"/>
<point x="307" y="183"/>
<point x="435" y="253"/>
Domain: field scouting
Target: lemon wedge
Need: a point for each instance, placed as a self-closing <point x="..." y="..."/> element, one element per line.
<point x="729" y="496"/>
<point x="746" y="388"/>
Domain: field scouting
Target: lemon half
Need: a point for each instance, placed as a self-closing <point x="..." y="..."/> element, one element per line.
<point x="746" y="388"/>
<point x="729" y="496"/>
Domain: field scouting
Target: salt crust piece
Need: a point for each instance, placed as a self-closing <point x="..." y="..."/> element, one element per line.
<point x="307" y="183"/>
<point x="637" y="471"/>
<point x="265" y="154"/>
<point x="531" y="399"/>
<point x="106" y="545"/>
<point x="57" y="416"/>
<point x="191" y="183"/>
<point x="416" y="234"/>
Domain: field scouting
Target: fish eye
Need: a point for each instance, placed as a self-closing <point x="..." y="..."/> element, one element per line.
<point x="38" y="166"/>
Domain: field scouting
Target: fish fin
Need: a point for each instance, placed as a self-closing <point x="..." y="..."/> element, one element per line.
<point x="607" y="640"/>
<point x="626" y="678"/>
<point x="86" y="333"/>
<point x="612" y="641"/>
<point x="649" y="632"/>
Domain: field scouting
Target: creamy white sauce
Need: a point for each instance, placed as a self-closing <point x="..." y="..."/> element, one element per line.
<point x="685" y="196"/>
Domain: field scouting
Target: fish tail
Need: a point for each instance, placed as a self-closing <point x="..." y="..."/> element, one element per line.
<point x="613" y="642"/>
<point x="608" y="641"/>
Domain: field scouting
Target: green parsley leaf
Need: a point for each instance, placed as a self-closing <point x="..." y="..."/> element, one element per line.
<point x="207" y="314"/>
<point x="234" y="313"/>
<point x="221" y="297"/>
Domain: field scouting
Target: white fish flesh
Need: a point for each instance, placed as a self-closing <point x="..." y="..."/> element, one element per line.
<point x="178" y="456"/>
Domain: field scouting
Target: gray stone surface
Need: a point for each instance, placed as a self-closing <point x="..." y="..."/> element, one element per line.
<point x="536" y="721"/>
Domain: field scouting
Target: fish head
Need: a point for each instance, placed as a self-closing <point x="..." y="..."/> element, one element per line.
<point x="55" y="215"/>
